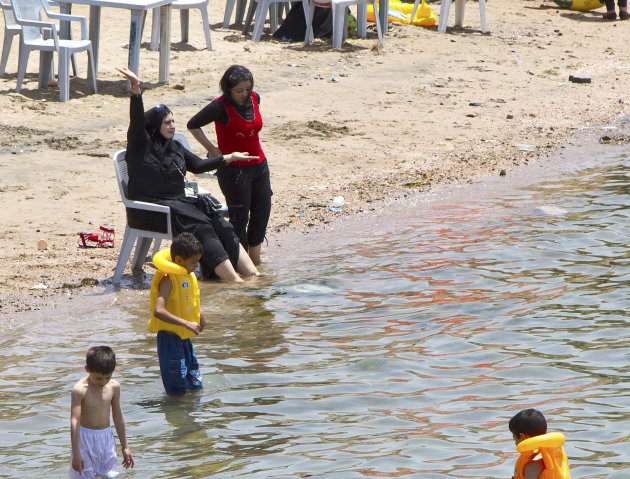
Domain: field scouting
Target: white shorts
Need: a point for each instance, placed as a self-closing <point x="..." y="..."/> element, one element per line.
<point x="98" y="450"/>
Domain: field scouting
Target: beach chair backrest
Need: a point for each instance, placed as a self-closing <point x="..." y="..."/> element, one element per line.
<point x="28" y="10"/>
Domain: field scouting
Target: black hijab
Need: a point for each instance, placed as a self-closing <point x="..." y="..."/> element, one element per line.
<point x="153" y="121"/>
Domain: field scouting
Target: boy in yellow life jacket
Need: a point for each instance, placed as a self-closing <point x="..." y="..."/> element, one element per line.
<point x="542" y="455"/>
<point x="176" y="313"/>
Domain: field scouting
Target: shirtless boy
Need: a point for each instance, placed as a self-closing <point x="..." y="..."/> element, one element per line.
<point x="93" y="446"/>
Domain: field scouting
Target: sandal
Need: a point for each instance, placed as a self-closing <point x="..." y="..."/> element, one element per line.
<point x="623" y="15"/>
<point x="610" y="15"/>
<point x="105" y="239"/>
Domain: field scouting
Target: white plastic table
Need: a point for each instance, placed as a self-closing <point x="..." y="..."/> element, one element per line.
<point x="138" y="10"/>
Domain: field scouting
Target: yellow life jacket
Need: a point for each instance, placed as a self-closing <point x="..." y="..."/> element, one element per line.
<point x="183" y="301"/>
<point x="549" y="446"/>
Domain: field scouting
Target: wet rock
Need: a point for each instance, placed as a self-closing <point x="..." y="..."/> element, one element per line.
<point x="84" y="282"/>
<point x="618" y="139"/>
<point x="502" y="173"/>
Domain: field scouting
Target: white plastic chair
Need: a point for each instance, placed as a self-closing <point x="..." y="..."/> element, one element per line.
<point x="11" y="28"/>
<point x="240" y="12"/>
<point x="459" y="14"/>
<point x="184" y="7"/>
<point x="27" y="14"/>
<point x="143" y="237"/>
<point x="262" y="9"/>
<point x="340" y="17"/>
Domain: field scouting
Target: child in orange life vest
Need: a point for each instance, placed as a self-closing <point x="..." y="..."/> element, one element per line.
<point x="176" y="314"/>
<point x="542" y="455"/>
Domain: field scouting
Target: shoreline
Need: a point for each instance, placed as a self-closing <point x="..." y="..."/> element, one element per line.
<point x="85" y="299"/>
<point x="408" y="118"/>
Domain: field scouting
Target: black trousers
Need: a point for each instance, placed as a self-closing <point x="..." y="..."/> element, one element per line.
<point x="610" y="4"/>
<point x="247" y="191"/>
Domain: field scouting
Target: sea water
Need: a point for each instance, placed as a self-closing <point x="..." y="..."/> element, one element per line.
<point x="395" y="345"/>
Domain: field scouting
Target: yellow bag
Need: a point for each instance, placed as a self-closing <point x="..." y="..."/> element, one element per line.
<point x="400" y="12"/>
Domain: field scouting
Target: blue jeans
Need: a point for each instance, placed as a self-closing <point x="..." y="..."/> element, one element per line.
<point x="178" y="364"/>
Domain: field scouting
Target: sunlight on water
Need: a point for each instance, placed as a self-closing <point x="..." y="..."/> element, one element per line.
<point x="394" y="347"/>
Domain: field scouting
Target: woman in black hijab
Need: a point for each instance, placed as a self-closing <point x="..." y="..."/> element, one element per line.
<point x="157" y="166"/>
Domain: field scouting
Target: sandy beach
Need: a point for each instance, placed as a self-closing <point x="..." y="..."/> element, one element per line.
<point x="367" y="123"/>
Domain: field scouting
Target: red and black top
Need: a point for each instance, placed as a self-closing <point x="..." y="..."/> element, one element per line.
<point x="239" y="134"/>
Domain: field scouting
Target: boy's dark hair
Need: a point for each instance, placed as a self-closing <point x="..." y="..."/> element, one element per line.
<point x="233" y="76"/>
<point x="100" y="359"/>
<point x="185" y="245"/>
<point x="530" y="422"/>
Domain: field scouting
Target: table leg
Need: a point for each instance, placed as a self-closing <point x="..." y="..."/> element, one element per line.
<point x="66" y="34"/>
<point x="94" y="34"/>
<point x="165" y="42"/>
<point x="135" y="38"/>
<point x="383" y="7"/>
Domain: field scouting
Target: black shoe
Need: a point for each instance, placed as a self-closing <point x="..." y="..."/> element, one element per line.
<point x="610" y="15"/>
<point x="624" y="15"/>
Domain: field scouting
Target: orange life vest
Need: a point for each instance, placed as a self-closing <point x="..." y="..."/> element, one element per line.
<point x="549" y="446"/>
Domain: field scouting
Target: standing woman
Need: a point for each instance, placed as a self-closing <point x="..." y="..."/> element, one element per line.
<point x="157" y="167"/>
<point x="245" y="184"/>
<point x="610" y="10"/>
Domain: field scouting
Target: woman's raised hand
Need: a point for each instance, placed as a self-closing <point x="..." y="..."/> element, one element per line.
<point x="133" y="79"/>
<point x="239" y="156"/>
<point x="131" y="76"/>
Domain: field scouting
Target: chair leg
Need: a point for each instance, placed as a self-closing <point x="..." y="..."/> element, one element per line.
<point x="362" y="20"/>
<point x="308" y="37"/>
<point x="250" y="16"/>
<point x="482" y="14"/>
<point x="64" y="74"/>
<point x="6" y="48"/>
<point x="125" y="251"/>
<point x="184" y="18"/>
<point x="379" y="28"/>
<point x="156" y="245"/>
<point x="337" y="35"/>
<point x="460" y="6"/>
<point x="46" y="68"/>
<point x="274" y="12"/>
<point x="22" y="63"/>
<point x="155" y="29"/>
<point x="241" y="8"/>
<point x="206" y="26"/>
<point x="309" y="11"/>
<point x="443" y="19"/>
<point x="413" y="11"/>
<point x="229" y="6"/>
<point x="261" y="16"/>
<point x="142" y="248"/>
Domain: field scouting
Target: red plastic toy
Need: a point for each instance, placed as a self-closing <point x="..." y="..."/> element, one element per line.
<point x="104" y="239"/>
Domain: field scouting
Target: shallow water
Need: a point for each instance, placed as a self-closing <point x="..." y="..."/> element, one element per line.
<point x="397" y="345"/>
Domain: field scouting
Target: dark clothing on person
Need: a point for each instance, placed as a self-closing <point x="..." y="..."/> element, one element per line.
<point x="254" y="179"/>
<point x="215" y="111"/>
<point x="293" y="28"/>
<point x="246" y="187"/>
<point x="610" y="4"/>
<point x="156" y="168"/>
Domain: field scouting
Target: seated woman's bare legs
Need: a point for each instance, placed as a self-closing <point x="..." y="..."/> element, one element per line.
<point x="245" y="266"/>
<point x="225" y="271"/>
<point x="254" y="253"/>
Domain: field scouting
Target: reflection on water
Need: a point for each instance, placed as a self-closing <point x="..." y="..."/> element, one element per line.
<point x="398" y="348"/>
